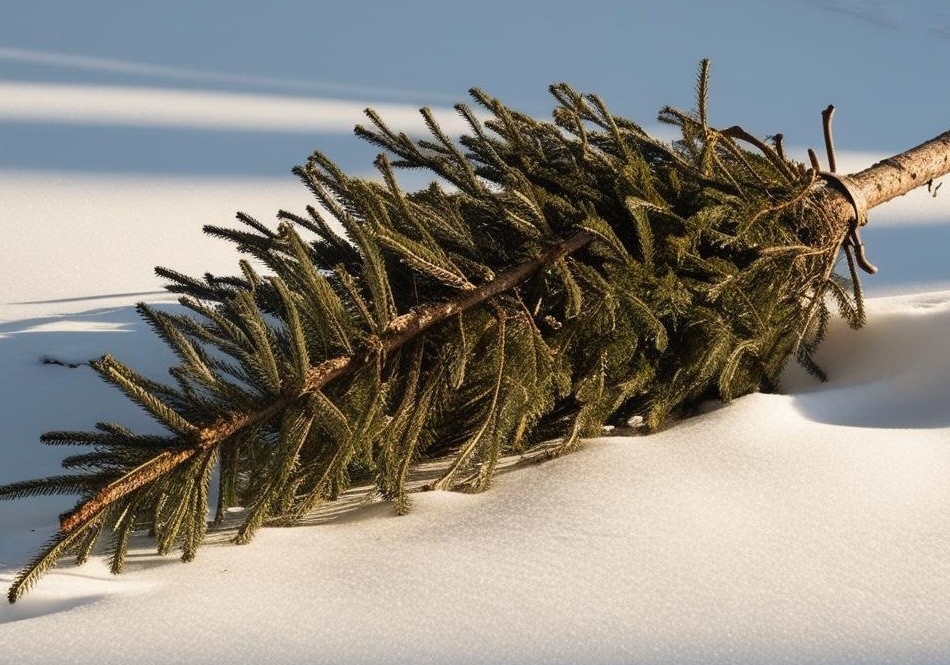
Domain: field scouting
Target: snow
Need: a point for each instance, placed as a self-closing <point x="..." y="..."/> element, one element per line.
<point x="218" y="111"/>
<point x="808" y="526"/>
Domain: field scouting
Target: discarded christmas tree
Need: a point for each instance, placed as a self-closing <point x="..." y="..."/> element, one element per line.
<point x="556" y="278"/>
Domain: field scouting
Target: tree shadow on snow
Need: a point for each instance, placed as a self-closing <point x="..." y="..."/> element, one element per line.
<point x="46" y="384"/>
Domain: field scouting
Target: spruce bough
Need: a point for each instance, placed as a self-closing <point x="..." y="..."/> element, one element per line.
<point x="554" y="278"/>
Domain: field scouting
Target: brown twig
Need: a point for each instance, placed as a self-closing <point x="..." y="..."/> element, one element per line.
<point x="826" y="117"/>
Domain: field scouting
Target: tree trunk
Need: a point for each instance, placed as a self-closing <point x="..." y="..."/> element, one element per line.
<point x="895" y="176"/>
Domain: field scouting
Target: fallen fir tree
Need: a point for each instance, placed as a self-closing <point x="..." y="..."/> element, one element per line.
<point x="555" y="278"/>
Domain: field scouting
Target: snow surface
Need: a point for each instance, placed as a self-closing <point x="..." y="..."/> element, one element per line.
<point x="802" y="527"/>
<point x="218" y="111"/>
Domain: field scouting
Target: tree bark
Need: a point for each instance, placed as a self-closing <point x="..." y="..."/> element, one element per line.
<point x="895" y="176"/>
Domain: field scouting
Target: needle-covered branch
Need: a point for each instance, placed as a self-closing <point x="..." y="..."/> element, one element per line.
<point x="400" y="331"/>
<point x="554" y="278"/>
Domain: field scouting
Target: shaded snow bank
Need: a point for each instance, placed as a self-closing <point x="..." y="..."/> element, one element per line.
<point x="895" y="373"/>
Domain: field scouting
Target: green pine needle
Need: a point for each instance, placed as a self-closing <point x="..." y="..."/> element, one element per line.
<point x="555" y="277"/>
